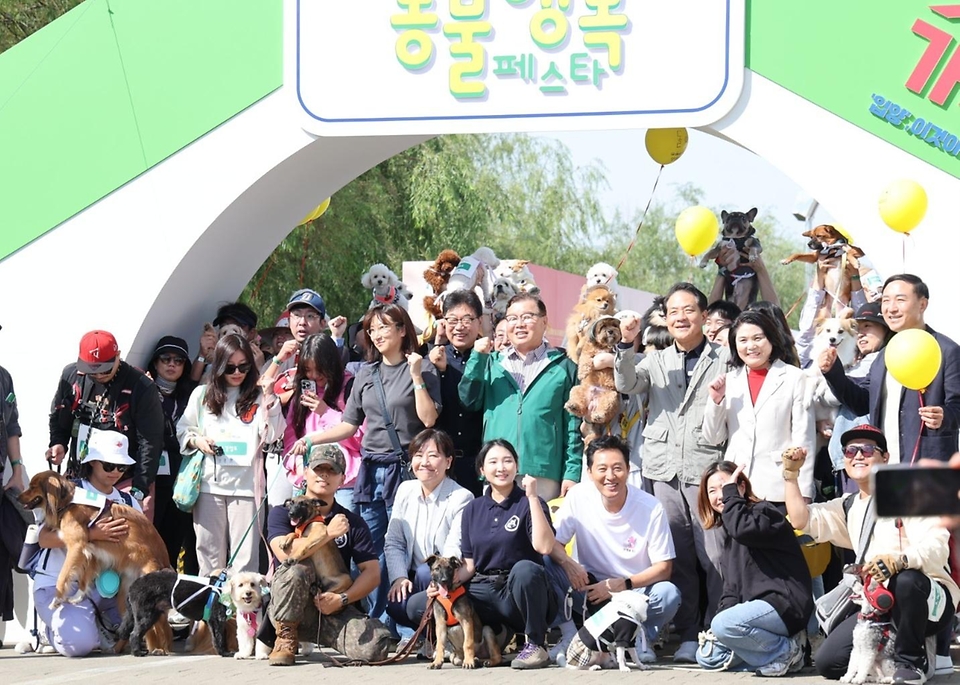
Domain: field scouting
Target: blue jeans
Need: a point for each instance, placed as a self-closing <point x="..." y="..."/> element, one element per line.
<point x="752" y="632"/>
<point x="376" y="514"/>
<point x="344" y="497"/>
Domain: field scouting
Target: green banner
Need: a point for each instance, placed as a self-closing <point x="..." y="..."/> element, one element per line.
<point x="890" y="67"/>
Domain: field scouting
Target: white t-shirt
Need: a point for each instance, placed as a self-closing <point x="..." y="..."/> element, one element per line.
<point x="48" y="568"/>
<point x="614" y="545"/>
<point x="891" y="416"/>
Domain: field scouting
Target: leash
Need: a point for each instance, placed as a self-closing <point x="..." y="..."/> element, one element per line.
<point x="399" y="656"/>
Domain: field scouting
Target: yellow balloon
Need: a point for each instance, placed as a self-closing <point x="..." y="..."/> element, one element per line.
<point x="913" y="358"/>
<point x="666" y="145"/>
<point x="696" y="230"/>
<point x="903" y="204"/>
<point x="844" y="232"/>
<point x="316" y="213"/>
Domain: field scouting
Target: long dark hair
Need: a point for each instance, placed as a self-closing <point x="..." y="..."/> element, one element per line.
<point x="770" y="328"/>
<point x="216" y="397"/>
<point x="325" y="355"/>
<point x="390" y="315"/>
<point x="776" y="314"/>
<point x="708" y="516"/>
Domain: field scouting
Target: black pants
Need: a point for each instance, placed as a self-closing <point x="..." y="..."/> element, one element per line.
<point x="524" y="602"/>
<point x="175" y="528"/>
<point x="910" y="589"/>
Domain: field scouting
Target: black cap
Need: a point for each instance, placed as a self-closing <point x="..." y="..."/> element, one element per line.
<point x="171" y="343"/>
<point x="866" y="431"/>
<point x="870" y="311"/>
<point x="236" y="311"/>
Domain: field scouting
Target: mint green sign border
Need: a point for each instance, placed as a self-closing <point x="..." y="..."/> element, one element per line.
<point x="114" y="87"/>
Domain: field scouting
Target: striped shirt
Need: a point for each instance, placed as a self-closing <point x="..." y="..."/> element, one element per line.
<point x="525" y="368"/>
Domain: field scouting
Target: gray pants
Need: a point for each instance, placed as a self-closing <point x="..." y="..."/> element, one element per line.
<point x="350" y="632"/>
<point x="692" y="544"/>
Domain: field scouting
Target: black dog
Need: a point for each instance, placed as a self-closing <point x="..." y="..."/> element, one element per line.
<point x="740" y="278"/>
<point x="153" y="595"/>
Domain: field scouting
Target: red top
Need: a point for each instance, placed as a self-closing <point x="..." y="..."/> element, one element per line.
<point x="755" y="381"/>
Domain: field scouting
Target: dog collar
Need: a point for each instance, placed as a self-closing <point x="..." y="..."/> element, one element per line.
<point x="447" y="603"/>
<point x="389" y="298"/>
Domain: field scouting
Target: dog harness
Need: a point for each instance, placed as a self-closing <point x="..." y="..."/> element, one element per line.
<point x="298" y="531"/>
<point x="389" y="298"/>
<point x="447" y="603"/>
<point x="251" y="618"/>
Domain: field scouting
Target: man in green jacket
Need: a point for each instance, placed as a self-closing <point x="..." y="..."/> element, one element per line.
<point x="521" y="391"/>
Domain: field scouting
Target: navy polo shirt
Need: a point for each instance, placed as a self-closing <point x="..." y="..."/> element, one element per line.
<point x="356" y="545"/>
<point x="496" y="535"/>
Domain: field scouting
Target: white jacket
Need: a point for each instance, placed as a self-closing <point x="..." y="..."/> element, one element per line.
<point x="758" y="434"/>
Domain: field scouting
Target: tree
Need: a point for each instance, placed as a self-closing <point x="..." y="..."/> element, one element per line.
<point x="20" y="18"/>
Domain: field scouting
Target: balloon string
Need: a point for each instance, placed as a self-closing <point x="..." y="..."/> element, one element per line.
<point x="642" y="219"/>
<point x="903" y="253"/>
<point x="916" y="447"/>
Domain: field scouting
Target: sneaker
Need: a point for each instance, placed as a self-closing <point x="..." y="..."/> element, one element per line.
<point x="559" y="651"/>
<point x="108" y="636"/>
<point x="646" y="654"/>
<point x="907" y="675"/>
<point x="531" y="656"/>
<point x="426" y="651"/>
<point x="798" y="662"/>
<point x="790" y="662"/>
<point x="944" y="665"/>
<point x="686" y="653"/>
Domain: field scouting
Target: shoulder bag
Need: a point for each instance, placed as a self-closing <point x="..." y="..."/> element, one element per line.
<point x="186" y="489"/>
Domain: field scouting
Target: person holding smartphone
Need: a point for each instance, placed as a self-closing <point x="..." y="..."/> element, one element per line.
<point x="321" y="386"/>
<point x="910" y="556"/>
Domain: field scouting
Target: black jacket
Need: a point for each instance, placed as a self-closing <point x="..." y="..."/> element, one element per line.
<point x="864" y="396"/>
<point x="762" y="560"/>
<point x="130" y="404"/>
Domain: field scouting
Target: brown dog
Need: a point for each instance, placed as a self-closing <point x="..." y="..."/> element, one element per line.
<point x="595" y="301"/>
<point x="140" y="552"/>
<point x="456" y="620"/>
<point x="831" y="253"/>
<point x="327" y="561"/>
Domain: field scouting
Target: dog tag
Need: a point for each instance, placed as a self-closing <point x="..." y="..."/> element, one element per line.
<point x="163" y="468"/>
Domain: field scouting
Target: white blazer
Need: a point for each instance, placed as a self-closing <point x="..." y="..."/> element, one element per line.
<point x="408" y="535"/>
<point x="758" y="434"/>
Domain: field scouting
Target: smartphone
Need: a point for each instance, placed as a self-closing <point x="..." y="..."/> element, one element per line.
<point x="307" y="385"/>
<point x="904" y="490"/>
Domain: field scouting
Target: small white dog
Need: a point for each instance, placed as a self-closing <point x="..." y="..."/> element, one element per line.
<point x="873" y="637"/>
<point x="246" y="591"/>
<point x="379" y="279"/>
<point x="404" y="295"/>
<point x="518" y="272"/>
<point x="608" y="636"/>
<point x="602" y="273"/>
<point x="840" y="334"/>
<point x="503" y="290"/>
<point x="475" y="271"/>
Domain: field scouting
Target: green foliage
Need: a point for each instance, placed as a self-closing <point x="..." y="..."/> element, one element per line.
<point x="20" y="18"/>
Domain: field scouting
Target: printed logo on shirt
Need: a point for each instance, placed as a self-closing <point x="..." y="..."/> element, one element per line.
<point x="512" y="524"/>
<point x="250" y="414"/>
<point x="341" y="541"/>
<point x="631" y="544"/>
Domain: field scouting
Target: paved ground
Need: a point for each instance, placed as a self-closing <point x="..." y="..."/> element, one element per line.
<point x="32" y="669"/>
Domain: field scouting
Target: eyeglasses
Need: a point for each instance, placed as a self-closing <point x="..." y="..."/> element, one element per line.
<point x="311" y="317"/>
<point x="453" y="321"/>
<point x="230" y="369"/>
<point x="110" y="468"/>
<point x="381" y="329"/>
<point x="172" y="359"/>
<point x="850" y="451"/>
<point x="527" y="318"/>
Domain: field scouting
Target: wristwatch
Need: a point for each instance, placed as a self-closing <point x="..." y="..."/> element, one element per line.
<point x="344" y="600"/>
<point x="201" y="359"/>
<point x="136" y="494"/>
<point x="628" y="583"/>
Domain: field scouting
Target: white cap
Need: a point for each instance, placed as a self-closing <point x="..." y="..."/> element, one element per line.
<point x="108" y="446"/>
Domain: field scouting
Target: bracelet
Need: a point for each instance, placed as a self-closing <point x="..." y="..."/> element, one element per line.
<point x="276" y="360"/>
<point x="855" y="278"/>
<point x="15" y="462"/>
<point x="422" y="386"/>
<point x="201" y="359"/>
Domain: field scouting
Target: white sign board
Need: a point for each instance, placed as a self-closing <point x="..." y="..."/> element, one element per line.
<point x="400" y="67"/>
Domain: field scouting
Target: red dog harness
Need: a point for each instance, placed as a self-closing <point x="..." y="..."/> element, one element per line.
<point x="303" y="526"/>
<point x="447" y="603"/>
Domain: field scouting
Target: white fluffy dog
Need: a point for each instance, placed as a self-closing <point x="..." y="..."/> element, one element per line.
<point x="474" y="271"/>
<point x="379" y="279"/>
<point x="518" y="272"/>
<point x="404" y="295"/>
<point x="873" y="638"/>
<point x="608" y="636"/>
<point x="602" y="273"/>
<point x="503" y="290"/>
<point x="839" y="333"/>
<point x="246" y="591"/>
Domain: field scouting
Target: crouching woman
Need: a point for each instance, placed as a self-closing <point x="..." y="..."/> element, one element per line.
<point x="767" y="597"/>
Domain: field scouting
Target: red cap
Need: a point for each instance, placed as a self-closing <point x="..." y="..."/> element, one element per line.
<point x="98" y="351"/>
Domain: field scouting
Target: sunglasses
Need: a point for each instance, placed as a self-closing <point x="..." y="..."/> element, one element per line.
<point x="850" y="451"/>
<point x="172" y="359"/>
<point x="236" y="368"/>
<point x="110" y="468"/>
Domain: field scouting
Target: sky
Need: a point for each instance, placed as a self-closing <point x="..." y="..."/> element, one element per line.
<point x="731" y="177"/>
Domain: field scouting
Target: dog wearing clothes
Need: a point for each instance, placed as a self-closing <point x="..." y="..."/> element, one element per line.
<point x="873" y="636"/>
<point x="609" y="635"/>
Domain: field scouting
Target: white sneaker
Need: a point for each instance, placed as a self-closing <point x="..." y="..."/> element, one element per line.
<point x="944" y="665"/>
<point x="686" y="653"/>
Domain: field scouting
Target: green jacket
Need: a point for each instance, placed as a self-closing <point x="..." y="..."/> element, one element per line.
<point x="547" y="436"/>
